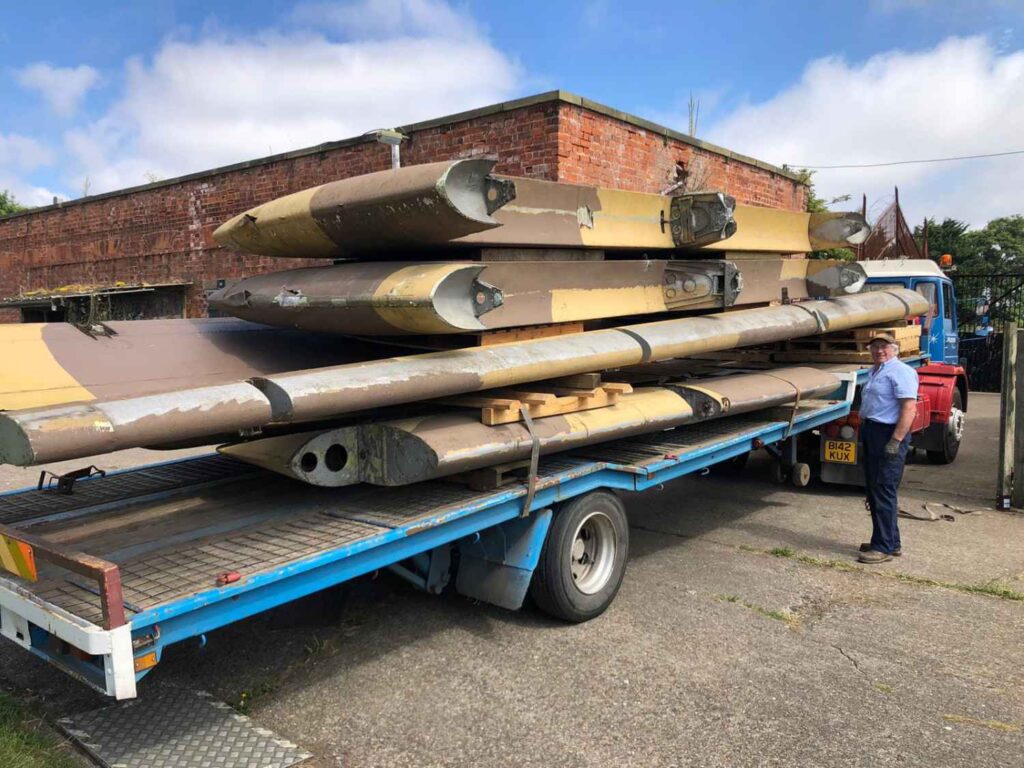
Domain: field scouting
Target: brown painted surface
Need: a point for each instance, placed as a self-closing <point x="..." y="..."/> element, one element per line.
<point x="355" y="298"/>
<point x="27" y="436"/>
<point x="411" y="450"/>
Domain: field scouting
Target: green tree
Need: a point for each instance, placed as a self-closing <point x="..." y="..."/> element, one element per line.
<point x="997" y="247"/>
<point x="8" y="204"/>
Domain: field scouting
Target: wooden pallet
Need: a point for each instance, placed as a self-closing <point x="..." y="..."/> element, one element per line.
<point x="823" y="344"/>
<point x="811" y="356"/>
<point x="505" y="406"/>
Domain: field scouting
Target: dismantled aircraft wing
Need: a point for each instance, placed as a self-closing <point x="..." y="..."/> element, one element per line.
<point x="54" y="433"/>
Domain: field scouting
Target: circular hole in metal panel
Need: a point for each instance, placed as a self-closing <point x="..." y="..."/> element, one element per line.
<point x="308" y="461"/>
<point x="336" y="457"/>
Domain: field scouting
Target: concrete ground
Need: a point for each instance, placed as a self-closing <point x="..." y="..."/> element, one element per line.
<point x="744" y="635"/>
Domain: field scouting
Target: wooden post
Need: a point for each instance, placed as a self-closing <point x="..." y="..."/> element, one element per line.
<point x="1017" y="422"/>
<point x="1007" y="413"/>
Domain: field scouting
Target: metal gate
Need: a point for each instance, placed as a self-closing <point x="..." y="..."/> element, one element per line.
<point x="985" y="304"/>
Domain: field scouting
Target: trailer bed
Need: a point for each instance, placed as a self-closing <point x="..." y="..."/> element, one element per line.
<point x="203" y="542"/>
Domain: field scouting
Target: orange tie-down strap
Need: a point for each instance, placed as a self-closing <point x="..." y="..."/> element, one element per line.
<point x="18" y="558"/>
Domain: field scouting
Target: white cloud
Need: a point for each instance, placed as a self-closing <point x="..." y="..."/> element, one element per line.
<point x="216" y="100"/>
<point x="62" y="87"/>
<point x="20" y="155"/>
<point x="23" y="152"/>
<point x="962" y="97"/>
<point x="376" y="19"/>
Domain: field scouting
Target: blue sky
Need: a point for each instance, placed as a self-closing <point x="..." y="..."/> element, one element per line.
<point x="101" y="95"/>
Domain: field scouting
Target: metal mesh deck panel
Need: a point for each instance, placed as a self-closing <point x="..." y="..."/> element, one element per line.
<point x="121" y="488"/>
<point x="324" y="521"/>
<point x="639" y="451"/>
<point x="159" y="577"/>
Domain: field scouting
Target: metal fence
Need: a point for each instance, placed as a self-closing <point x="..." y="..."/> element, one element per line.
<point x="985" y="304"/>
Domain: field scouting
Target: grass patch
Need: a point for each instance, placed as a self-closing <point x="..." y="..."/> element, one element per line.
<point x="884" y="687"/>
<point x="787" y="618"/>
<point x="992" y="588"/>
<point x="994" y="725"/>
<point x="249" y="697"/>
<point x="22" y="745"/>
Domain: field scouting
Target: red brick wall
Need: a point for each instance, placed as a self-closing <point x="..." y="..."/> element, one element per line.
<point x="598" y="149"/>
<point x="163" y="234"/>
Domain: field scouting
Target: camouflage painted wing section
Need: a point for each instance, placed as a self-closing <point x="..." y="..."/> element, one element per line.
<point x="410" y="450"/>
<point x="44" y="364"/>
<point x="388" y="298"/>
<point x="420" y="205"/>
<point x="777" y="231"/>
<point x="41" y="435"/>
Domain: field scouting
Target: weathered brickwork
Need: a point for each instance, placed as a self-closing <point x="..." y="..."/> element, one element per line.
<point x="162" y="233"/>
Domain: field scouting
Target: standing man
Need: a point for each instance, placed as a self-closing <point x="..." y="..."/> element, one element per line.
<point x="887" y="408"/>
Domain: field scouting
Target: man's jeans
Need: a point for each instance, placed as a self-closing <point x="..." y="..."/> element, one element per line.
<point x="882" y="477"/>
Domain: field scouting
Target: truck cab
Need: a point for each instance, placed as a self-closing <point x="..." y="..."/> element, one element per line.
<point x="939" y="338"/>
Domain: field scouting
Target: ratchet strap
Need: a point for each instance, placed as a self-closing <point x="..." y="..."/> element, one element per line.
<point x="531" y="482"/>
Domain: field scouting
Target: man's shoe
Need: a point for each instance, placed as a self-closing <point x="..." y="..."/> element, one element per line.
<point x="873" y="556"/>
<point x="866" y="547"/>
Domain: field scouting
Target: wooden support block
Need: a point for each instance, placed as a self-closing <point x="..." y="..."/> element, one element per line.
<point x="530" y="332"/>
<point x="502" y="406"/>
<point x="579" y="381"/>
<point x="490" y="478"/>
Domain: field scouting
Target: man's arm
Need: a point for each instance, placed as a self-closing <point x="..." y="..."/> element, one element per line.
<point x="908" y="412"/>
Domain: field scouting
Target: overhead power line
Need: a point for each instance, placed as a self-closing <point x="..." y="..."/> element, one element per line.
<point x="906" y="162"/>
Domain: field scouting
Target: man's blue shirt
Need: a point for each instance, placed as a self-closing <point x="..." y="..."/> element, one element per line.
<point x="880" y="397"/>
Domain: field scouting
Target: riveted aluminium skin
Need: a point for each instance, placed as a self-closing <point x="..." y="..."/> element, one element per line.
<point x="419" y="204"/>
<point x="44" y="364"/>
<point x="410" y="450"/>
<point x="36" y="436"/>
<point x="778" y="231"/>
<point x="368" y="298"/>
<point x="338" y="219"/>
<point x="385" y="299"/>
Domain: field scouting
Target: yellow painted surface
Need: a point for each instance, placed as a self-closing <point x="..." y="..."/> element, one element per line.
<point x="767" y="229"/>
<point x="793" y="268"/>
<point x="17" y="557"/>
<point x="30" y="377"/>
<point x="585" y="304"/>
<point x="283" y="227"/>
<point x="630" y="219"/>
<point x="404" y="298"/>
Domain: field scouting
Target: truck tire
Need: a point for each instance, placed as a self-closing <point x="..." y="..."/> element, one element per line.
<point x="952" y="435"/>
<point x="583" y="559"/>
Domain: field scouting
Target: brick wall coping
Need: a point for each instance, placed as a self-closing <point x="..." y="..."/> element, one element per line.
<point x="561" y="96"/>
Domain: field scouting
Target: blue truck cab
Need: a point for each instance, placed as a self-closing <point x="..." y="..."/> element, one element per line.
<point x="939" y="339"/>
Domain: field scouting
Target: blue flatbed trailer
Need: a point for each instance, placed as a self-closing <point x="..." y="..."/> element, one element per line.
<point x="135" y="561"/>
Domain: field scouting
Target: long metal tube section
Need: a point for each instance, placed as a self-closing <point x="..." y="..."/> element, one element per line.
<point x="409" y="450"/>
<point x="40" y="435"/>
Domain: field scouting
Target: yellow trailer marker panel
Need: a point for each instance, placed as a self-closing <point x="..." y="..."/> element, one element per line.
<point x="17" y="558"/>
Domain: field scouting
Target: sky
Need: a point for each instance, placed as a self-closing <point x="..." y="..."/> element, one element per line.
<point x="104" y="95"/>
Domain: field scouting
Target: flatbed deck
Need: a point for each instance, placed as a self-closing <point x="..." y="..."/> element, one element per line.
<point x="200" y="543"/>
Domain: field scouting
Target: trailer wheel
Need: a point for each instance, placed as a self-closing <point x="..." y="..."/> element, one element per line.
<point x="583" y="559"/>
<point x="953" y="434"/>
<point x="800" y="475"/>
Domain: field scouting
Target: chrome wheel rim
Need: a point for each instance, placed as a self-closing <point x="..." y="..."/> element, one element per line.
<point x="956" y="423"/>
<point x="592" y="556"/>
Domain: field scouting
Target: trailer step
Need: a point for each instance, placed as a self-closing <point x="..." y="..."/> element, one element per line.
<point x="180" y="728"/>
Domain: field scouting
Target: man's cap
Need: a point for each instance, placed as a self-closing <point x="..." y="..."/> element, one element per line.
<point x="888" y="338"/>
